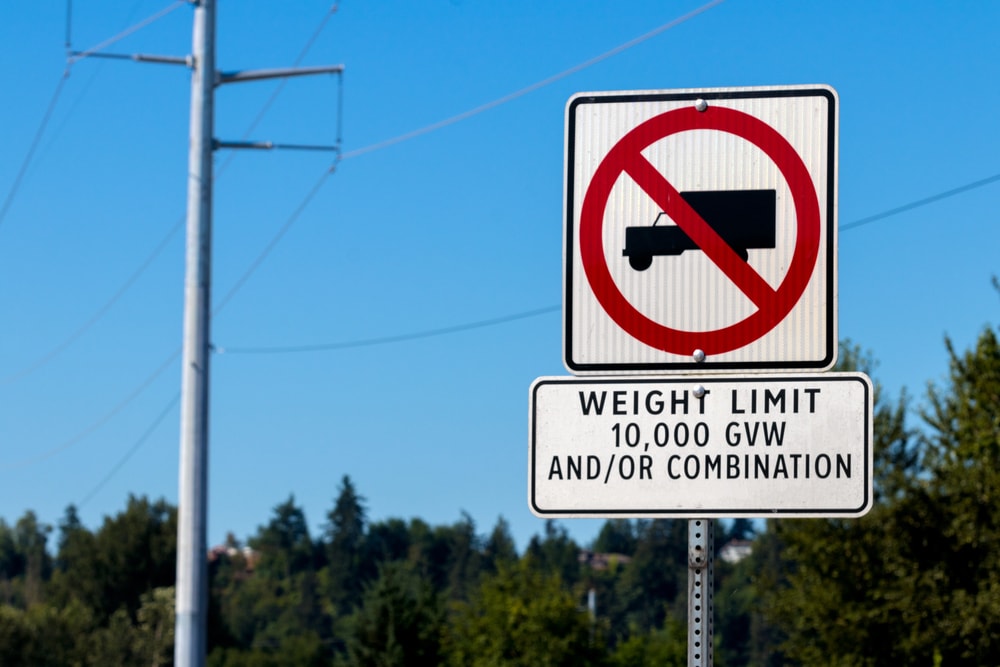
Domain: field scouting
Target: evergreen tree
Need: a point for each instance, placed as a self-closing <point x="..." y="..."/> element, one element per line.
<point x="283" y="543"/>
<point x="400" y="622"/>
<point x="131" y="554"/>
<point x="617" y="536"/>
<point x="961" y="496"/>
<point x="499" y="548"/>
<point x="556" y="554"/>
<point x="344" y="538"/>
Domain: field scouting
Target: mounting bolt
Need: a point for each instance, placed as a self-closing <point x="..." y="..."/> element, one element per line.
<point x="699" y="391"/>
<point x="700" y="104"/>
<point x="699" y="356"/>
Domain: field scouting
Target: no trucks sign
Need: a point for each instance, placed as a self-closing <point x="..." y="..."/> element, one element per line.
<point x="700" y="230"/>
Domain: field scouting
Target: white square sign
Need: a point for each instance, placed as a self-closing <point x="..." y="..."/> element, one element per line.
<point x="701" y="230"/>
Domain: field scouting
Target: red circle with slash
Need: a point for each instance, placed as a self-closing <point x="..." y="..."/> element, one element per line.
<point x="773" y="305"/>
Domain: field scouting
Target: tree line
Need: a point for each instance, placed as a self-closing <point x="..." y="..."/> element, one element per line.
<point x="914" y="582"/>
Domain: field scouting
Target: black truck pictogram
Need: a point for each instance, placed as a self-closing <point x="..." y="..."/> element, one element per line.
<point x="744" y="219"/>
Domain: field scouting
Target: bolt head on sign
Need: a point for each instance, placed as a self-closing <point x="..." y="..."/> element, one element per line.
<point x="701" y="230"/>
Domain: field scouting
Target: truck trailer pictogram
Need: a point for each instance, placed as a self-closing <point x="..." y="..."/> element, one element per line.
<point x="745" y="219"/>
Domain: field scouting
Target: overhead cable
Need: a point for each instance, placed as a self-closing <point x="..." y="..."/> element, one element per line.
<point x="533" y="87"/>
<point x="429" y="333"/>
<point x="76" y="57"/>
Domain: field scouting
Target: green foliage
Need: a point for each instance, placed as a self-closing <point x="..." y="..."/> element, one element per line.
<point x="284" y="543"/>
<point x="655" y="579"/>
<point x="270" y="602"/>
<point x="130" y="554"/>
<point x="522" y="617"/>
<point x="666" y="647"/>
<point x="915" y="582"/>
<point x="347" y="568"/>
<point x="556" y="552"/>
<point x="43" y="636"/>
<point x="24" y="562"/>
<point x="399" y="622"/>
<point x="961" y="493"/>
<point x="617" y="536"/>
<point x="499" y="548"/>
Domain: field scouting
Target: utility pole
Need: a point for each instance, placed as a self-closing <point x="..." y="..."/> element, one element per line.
<point x="192" y="521"/>
<point x="192" y="501"/>
<point x="191" y="608"/>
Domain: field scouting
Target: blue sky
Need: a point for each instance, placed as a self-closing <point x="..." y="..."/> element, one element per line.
<point x="449" y="228"/>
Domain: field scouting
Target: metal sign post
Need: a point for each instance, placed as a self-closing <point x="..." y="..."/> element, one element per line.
<point x="701" y="579"/>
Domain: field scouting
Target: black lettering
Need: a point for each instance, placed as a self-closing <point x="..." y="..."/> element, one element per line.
<point x="593" y="467"/>
<point x="812" y="399"/>
<point x="795" y="464"/>
<point x="843" y="466"/>
<point x="675" y="401"/>
<point x="645" y="467"/>
<point x="619" y="399"/>
<point x="732" y="466"/>
<point x="713" y="463"/>
<point x="823" y="466"/>
<point x="670" y="467"/>
<point x="591" y="402"/>
<point x="762" y="464"/>
<point x="701" y="402"/>
<point x="776" y="400"/>
<point x="774" y="435"/>
<point x="654" y="407"/>
<point x="621" y="467"/>
<point x="780" y="467"/>
<point x="697" y="467"/>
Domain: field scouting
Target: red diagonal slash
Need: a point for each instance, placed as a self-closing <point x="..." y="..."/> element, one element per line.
<point x="705" y="237"/>
<point x="773" y="304"/>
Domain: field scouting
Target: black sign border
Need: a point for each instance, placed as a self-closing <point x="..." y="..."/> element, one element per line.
<point x="830" y="352"/>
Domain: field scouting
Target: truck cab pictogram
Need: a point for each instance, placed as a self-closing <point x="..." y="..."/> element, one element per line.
<point x="745" y="219"/>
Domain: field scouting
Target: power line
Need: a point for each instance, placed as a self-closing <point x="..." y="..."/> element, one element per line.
<point x="922" y="202"/>
<point x="76" y="57"/>
<point x="15" y="188"/>
<point x="161" y="246"/>
<point x="312" y="193"/>
<point x="59" y="88"/>
<point x="429" y="333"/>
<point x="97" y="316"/>
<point x="315" y="190"/>
<point x="79" y="436"/>
<point x="400" y="338"/>
<point x="131" y="450"/>
<point x="533" y="87"/>
<point x="69" y="442"/>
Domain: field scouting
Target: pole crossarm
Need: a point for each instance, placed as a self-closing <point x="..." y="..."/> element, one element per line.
<point x="187" y="61"/>
<point x="271" y="145"/>
<point x="274" y="73"/>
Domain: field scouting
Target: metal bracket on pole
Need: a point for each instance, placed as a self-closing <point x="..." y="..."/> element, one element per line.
<point x="701" y="607"/>
<point x="187" y="61"/>
<point x="274" y="73"/>
<point x="270" y="145"/>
